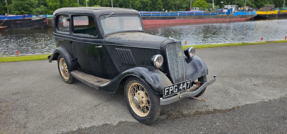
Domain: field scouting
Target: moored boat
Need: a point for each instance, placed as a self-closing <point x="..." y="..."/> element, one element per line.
<point x="190" y="17"/>
<point x="271" y="15"/>
<point x="22" y="22"/>
<point x="269" y="12"/>
<point x="194" y="17"/>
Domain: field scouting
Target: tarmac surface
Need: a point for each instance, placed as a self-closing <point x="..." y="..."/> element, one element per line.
<point x="259" y="118"/>
<point x="34" y="99"/>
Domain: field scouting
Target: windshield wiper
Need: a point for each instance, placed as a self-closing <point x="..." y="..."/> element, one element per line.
<point x="107" y="15"/>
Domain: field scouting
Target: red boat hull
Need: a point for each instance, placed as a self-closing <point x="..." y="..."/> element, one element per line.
<point x="168" y="22"/>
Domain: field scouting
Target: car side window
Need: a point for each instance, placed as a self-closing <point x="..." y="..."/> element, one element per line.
<point x="84" y="26"/>
<point x="63" y="23"/>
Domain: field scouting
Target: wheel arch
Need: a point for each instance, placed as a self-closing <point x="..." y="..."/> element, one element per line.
<point x="66" y="55"/>
<point x="155" y="79"/>
<point x="123" y="82"/>
<point x="195" y="68"/>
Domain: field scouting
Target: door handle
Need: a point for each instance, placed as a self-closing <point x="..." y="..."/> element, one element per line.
<point x="98" y="46"/>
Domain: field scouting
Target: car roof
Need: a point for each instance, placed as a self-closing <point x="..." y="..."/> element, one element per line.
<point x="95" y="10"/>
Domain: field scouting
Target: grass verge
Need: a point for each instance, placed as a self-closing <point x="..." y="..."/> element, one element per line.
<point x="24" y="58"/>
<point x="232" y="44"/>
<point x="44" y="57"/>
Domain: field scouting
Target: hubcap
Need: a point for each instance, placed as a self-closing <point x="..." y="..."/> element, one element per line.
<point x="136" y="100"/>
<point x="139" y="99"/>
<point x="62" y="68"/>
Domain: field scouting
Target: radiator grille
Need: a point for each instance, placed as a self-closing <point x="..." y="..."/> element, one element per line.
<point x="175" y="59"/>
<point x="126" y="56"/>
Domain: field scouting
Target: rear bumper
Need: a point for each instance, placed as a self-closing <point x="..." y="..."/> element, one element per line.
<point x="179" y="96"/>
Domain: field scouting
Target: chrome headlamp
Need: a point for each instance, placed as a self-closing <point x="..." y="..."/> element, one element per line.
<point x="189" y="52"/>
<point x="157" y="60"/>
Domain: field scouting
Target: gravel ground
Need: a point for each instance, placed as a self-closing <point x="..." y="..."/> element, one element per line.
<point x="34" y="99"/>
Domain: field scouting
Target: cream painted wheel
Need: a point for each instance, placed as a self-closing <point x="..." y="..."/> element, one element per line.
<point x="142" y="102"/>
<point x="64" y="69"/>
<point x="139" y="99"/>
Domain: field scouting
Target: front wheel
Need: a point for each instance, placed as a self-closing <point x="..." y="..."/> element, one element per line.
<point x="142" y="103"/>
<point x="202" y="80"/>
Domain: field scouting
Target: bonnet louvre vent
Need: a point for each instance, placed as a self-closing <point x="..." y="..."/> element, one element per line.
<point x="126" y="56"/>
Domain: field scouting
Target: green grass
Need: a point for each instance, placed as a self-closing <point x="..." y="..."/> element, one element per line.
<point x="232" y="44"/>
<point x="24" y="58"/>
<point x="44" y="57"/>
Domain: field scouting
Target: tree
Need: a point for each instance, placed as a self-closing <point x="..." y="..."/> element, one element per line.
<point x="3" y="9"/>
<point x="92" y="2"/>
<point x="146" y="5"/>
<point x="240" y="3"/>
<point x="40" y="10"/>
<point x="42" y="2"/>
<point x="106" y="3"/>
<point x="22" y="6"/>
<point x="159" y="5"/>
<point x="49" y="6"/>
<point x="52" y="5"/>
<point x="250" y="4"/>
<point x="66" y="3"/>
<point x="70" y="3"/>
<point x="200" y="4"/>
<point x="259" y="3"/>
<point x="138" y="5"/>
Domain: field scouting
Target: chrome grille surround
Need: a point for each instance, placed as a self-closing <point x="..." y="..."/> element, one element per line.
<point x="175" y="59"/>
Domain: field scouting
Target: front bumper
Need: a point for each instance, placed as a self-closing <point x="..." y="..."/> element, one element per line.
<point x="179" y="96"/>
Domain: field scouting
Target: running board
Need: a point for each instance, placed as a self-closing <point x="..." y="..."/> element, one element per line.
<point x="90" y="80"/>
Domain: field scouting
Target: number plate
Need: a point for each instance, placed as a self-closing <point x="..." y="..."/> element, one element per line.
<point x="167" y="91"/>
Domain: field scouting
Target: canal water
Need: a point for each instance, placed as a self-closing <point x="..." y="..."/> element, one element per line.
<point x="41" y="41"/>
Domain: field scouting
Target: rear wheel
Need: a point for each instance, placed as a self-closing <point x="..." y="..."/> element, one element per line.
<point x="64" y="70"/>
<point x="142" y="103"/>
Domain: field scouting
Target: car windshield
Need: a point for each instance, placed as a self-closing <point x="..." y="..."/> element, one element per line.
<point x="121" y="23"/>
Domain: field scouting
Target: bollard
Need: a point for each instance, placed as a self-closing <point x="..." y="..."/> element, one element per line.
<point x="185" y="42"/>
<point x="261" y="39"/>
<point x="285" y="37"/>
<point x="17" y="53"/>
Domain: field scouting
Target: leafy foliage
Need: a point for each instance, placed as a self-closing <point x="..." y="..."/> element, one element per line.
<point x="22" y="6"/>
<point x="49" y="6"/>
<point x="40" y="10"/>
<point x="200" y="4"/>
<point x="3" y="8"/>
<point x="69" y="3"/>
<point x="159" y="5"/>
<point x="52" y="5"/>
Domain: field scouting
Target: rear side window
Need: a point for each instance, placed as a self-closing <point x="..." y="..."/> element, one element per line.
<point x="84" y="26"/>
<point x="63" y="23"/>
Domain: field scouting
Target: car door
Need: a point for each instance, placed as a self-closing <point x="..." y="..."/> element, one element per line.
<point x="87" y="44"/>
<point x="62" y="32"/>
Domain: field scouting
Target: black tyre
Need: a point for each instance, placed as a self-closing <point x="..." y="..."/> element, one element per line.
<point x="142" y="103"/>
<point x="202" y="80"/>
<point x="64" y="70"/>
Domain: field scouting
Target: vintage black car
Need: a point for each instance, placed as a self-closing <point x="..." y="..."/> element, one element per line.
<point x="107" y="49"/>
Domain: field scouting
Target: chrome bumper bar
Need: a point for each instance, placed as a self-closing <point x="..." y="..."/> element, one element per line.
<point x="179" y="96"/>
